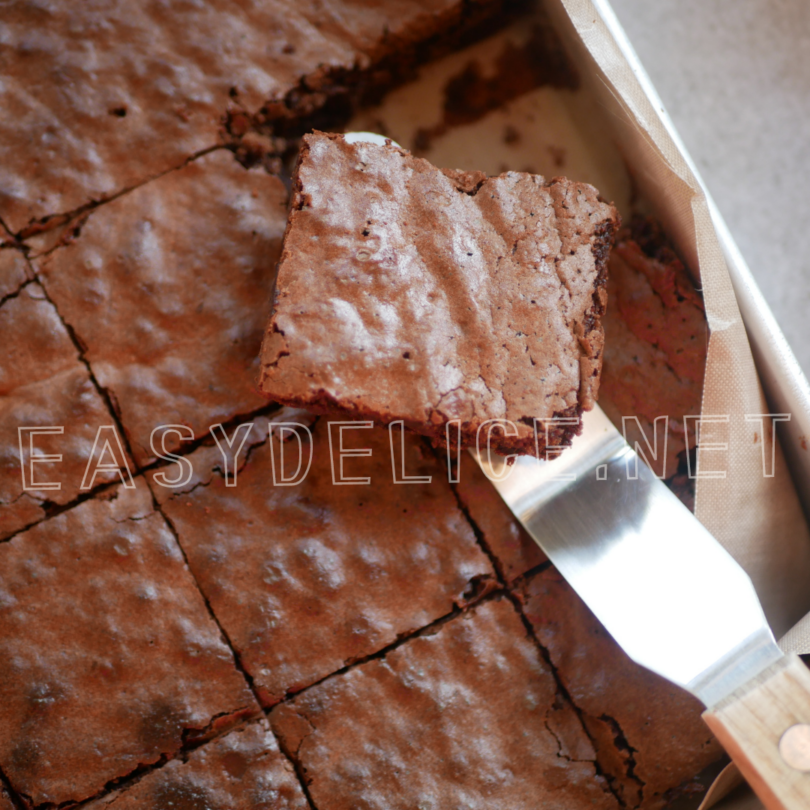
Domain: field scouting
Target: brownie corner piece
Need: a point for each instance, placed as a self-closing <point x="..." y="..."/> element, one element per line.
<point x="407" y="292"/>
<point x="109" y="659"/>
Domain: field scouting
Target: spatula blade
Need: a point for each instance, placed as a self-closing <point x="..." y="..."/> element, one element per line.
<point x="665" y="589"/>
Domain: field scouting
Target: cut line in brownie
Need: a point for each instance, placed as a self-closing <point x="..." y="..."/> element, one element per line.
<point x="502" y="534"/>
<point x="473" y="719"/>
<point x="407" y="292"/>
<point x="650" y="738"/>
<point x="306" y="579"/>
<point x="167" y="288"/>
<point x="161" y="79"/>
<point x="50" y="415"/>
<point x="13" y="271"/>
<point x="109" y="659"/>
<point x="244" y="770"/>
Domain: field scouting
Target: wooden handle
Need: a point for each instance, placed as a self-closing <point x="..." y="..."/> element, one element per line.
<point x="765" y="727"/>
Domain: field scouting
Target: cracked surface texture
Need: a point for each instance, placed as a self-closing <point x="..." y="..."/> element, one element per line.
<point x="43" y="384"/>
<point x="242" y="771"/>
<point x="656" y="342"/>
<point x="13" y="271"/>
<point x="649" y="734"/>
<point x="473" y="720"/>
<point x="108" y="656"/>
<point x="102" y="95"/>
<point x="511" y="544"/>
<point x="168" y="287"/>
<point x="156" y="263"/>
<point x="305" y="579"/>
<point x="405" y="292"/>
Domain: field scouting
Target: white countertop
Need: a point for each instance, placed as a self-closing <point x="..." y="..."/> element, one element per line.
<point x="734" y="76"/>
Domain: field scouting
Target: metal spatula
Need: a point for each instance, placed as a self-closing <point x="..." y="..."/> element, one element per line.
<point x="670" y="595"/>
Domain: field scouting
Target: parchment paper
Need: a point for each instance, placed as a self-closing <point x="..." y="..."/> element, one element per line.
<point x="757" y="518"/>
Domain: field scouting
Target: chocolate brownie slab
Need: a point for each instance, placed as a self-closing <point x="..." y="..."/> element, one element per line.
<point x="108" y="655"/>
<point x="168" y="287"/>
<point x="649" y="734"/>
<point x="44" y="385"/>
<point x="243" y="770"/>
<point x="305" y="579"/>
<point x="410" y="293"/>
<point x="472" y="719"/>
<point x="101" y="96"/>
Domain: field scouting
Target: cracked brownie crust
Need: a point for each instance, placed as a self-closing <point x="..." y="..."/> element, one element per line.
<point x="410" y="293"/>
<point x="13" y="271"/>
<point x="307" y="579"/>
<point x="629" y="712"/>
<point x="242" y="771"/>
<point x="186" y="264"/>
<point x="108" y="657"/>
<point x="102" y="96"/>
<point x="472" y="719"/>
<point x="43" y="384"/>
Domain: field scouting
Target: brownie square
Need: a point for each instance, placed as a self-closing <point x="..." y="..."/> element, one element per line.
<point x="109" y="658"/>
<point x="473" y="719"/>
<point x="306" y="579"/>
<point x="186" y="263"/>
<point x="649" y="734"/>
<point x="410" y="293"/>
<point x="243" y="770"/>
<point x="44" y="385"/>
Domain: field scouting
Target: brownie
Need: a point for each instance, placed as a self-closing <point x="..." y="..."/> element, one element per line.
<point x="167" y="287"/>
<point x="656" y="341"/>
<point x="243" y="770"/>
<point x="410" y="293"/>
<point x="306" y="579"/>
<point x="100" y="97"/>
<point x="109" y="659"/>
<point x="5" y="800"/>
<point x="13" y="271"/>
<point x="504" y="537"/>
<point x="43" y="384"/>
<point x="649" y="734"/>
<point x="472" y="719"/>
